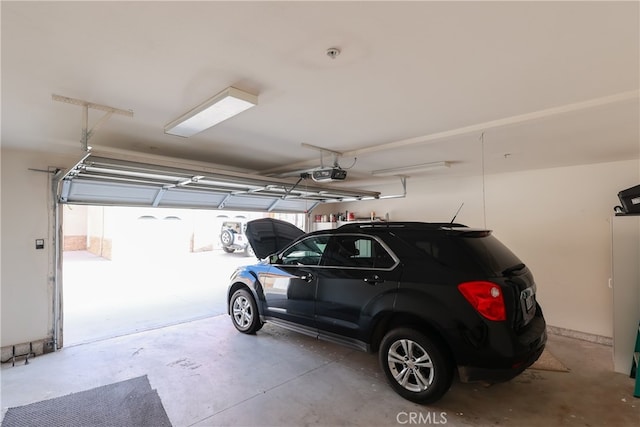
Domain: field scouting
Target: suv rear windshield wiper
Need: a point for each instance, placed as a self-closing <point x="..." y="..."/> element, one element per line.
<point x="512" y="269"/>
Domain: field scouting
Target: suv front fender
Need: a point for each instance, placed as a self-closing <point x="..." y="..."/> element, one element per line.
<point x="248" y="280"/>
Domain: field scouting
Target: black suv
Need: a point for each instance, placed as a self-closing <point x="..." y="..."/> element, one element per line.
<point x="428" y="297"/>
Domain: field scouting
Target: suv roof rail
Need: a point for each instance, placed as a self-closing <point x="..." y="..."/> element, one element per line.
<point x="404" y="224"/>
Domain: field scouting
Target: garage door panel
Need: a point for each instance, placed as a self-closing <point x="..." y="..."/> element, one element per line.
<point x="190" y="198"/>
<point x="98" y="192"/>
<point x="292" y="205"/>
<point x="118" y="182"/>
<point x="253" y="203"/>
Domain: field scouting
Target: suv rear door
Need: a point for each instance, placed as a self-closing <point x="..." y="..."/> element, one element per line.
<point x="358" y="278"/>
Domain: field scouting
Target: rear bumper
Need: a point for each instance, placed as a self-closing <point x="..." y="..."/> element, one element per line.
<point x="504" y="369"/>
<point x="471" y="373"/>
<point x="237" y="247"/>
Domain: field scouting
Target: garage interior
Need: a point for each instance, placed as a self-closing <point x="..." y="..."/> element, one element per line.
<point x="521" y="117"/>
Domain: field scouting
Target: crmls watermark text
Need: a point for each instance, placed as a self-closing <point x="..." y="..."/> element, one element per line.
<point x="421" y="418"/>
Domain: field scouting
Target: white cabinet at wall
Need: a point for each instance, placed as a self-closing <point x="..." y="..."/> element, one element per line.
<point x="321" y="225"/>
<point x="625" y="261"/>
<point x="324" y="225"/>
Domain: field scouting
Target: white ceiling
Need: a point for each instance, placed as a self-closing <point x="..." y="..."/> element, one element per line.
<point x="539" y="84"/>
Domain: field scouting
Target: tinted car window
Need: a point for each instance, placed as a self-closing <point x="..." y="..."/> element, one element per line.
<point x="306" y="252"/>
<point x="491" y="253"/>
<point x="476" y="253"/>
<point x="443" y="251"/>
<point x="357" y="251"/>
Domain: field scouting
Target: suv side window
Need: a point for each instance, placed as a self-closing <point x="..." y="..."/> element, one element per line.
<point x="357" y="251"/>
<point x="306" y="252"/>
<point x="446" y="251"/>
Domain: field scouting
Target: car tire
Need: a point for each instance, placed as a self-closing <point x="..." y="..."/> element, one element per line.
<point x="248" y="251"/>
<point x="415" y="365"/>
<point x="226" y="237"/>
<point x="244" y="312"/>
<point x="228" y="250"/>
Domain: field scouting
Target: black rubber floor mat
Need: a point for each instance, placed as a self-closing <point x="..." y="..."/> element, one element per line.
<point x="123" y="404"/>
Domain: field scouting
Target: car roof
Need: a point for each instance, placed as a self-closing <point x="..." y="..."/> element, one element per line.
<point x="414" y="225"/>
<point x="376" y="227"/>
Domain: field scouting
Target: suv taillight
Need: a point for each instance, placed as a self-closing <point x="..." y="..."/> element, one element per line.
<point x="486" y="298"/>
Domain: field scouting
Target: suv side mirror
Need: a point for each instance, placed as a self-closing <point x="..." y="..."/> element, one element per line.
<point x="274" y="259"/>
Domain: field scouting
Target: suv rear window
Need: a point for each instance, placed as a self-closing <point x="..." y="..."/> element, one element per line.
<point x="491" y="253"/>
<point x="474" y="252"/>
<point x="236" y="226"/>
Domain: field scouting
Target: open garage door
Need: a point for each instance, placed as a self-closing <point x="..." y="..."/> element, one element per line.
<point x="131" y="182"/>
<point x="109" y="181"/>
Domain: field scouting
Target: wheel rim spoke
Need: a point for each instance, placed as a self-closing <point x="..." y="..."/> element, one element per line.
<point x="247" y="318"/>
<point x="421" y="381"/>
<point x="394" y="357"/>
<point x="424" y="361"/>
<point x="405" y="347"/>
<point x="403" y="376"/>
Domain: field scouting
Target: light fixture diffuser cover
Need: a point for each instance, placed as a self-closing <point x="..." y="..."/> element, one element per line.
<point x="404" y="170"/>
<point x="222" y="106"/>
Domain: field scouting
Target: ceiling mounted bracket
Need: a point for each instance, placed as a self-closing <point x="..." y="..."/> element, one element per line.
<point x="224" y="201"/>
<point x="403" y="181"/>
<point x="86" y="132"/>
<point x="322" y="150"/>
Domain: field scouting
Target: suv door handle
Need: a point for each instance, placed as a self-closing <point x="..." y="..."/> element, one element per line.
<point x="372" y="280"/>
<point x="307" y="277"/>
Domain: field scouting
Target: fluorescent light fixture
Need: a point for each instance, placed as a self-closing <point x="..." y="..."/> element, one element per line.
<point x="224" y="105"/>
<point x="404" y="170"/>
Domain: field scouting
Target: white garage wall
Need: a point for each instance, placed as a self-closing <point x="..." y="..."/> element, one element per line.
<point x="559" y="222"/>
<point x="434" y="200"/>
<point x="26" y="291"/>
<point x="556" y="220"/>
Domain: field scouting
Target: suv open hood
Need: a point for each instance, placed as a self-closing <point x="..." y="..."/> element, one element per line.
<point x="267" y="235"/>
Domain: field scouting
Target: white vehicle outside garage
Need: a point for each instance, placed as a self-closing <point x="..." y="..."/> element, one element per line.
<point x="233" y="237"/>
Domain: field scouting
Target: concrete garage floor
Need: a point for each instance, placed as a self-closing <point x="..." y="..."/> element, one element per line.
<point x="208" y="374"/>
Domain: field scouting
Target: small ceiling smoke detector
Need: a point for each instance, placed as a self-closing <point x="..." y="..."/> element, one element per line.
<point x="332" y="52"/>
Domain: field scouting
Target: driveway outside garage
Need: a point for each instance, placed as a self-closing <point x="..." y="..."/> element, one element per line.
<point x="105" y="298"/>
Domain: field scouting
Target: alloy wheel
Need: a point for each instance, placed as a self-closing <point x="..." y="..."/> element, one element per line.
<point x="410" y="365"/>
<point x="242" y="312"/>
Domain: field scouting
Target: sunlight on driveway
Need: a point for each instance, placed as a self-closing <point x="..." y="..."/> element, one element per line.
<point x="103" y="298"/>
